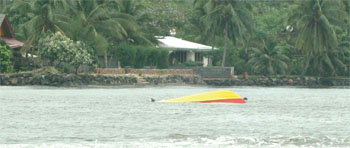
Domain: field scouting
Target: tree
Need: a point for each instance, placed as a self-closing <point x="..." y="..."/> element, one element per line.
<point x="317" y="22"/>
<point x="269" y="59"/>
<point x="143" y="33"/>
<point x="3" y="6"/>
<point x="57" y="47"/>
<point x="164" y="15"/>
<point x="229" y="18"/>
<point x="96" y="24"/>
<point x="42" y="14"/>
<point x="332" y="62"/>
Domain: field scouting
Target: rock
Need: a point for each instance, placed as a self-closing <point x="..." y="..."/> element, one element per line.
<point x="68" y="84"/>
<point x="20" y="81"/>
<point x="13" y="81"/>
<point x="290" y="81"/>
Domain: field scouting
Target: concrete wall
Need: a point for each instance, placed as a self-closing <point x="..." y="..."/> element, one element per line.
<point x="215" y="72"/>
<point x="109" y="71"/>
<point x="144" y="71"/>
<point x="204" y="72"/>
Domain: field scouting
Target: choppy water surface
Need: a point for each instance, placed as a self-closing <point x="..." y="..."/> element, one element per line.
<point x="108" y="117"/>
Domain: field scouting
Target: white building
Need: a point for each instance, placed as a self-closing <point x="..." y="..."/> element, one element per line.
<point x="181" y="51"/>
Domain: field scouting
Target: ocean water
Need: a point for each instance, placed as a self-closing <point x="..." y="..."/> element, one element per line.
<point x="123" y="117"/>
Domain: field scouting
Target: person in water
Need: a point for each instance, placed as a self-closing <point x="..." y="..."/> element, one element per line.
<point x="152" y="100"/>
<point x="245" y="98"/>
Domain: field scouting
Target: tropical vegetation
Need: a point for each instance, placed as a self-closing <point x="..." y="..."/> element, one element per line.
<point x="5" y="59"/>
<point x="56" y="49"/>
<point x="262" y="37"/>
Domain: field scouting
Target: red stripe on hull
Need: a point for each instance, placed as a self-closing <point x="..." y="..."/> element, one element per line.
<point x="225" y="101"/>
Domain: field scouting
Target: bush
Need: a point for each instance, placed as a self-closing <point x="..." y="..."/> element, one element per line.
<point x="56" y="46"/>
<point x="163" y="61"/>
<point x="152" y="59"/>
<point x="140" y="56"/>
<point x="5" y="59"/>
<point x="234" y="57"/>
<point x="126" y="54"/>
<point x="3" y="43"/>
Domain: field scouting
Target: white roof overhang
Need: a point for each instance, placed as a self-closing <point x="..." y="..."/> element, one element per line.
<point x="173" y="43"/>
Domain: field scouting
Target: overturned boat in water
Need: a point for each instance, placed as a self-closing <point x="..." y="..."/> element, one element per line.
<point x="221" y="96"/>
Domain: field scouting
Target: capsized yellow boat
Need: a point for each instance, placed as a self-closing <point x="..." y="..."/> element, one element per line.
<point x="221" y="96"/>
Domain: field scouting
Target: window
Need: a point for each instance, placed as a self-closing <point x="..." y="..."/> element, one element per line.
<point x="198" y="57"/>
<point x="181" y="56"/>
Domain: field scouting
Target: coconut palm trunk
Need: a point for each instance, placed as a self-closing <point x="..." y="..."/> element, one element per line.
<point x="307" y="63"/>
<point x="106" y="59"/>
<point x="318" y="21"/>
<point x="4" y="5"/>
<point x="225" y="46"/>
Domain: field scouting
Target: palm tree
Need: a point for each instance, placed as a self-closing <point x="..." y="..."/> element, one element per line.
<point x="3" y="7"/>
<point x="230" y="18"/>
<point x="333" y="62"/>
<point x="43" y="17"/>
<point x="96" y="24"/>
<point x="142" y="33"/>
<point x="269" y="59"/>
<point x="317" y="21"/>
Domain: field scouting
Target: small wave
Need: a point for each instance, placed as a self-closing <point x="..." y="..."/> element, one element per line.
<point x="280" y="141"/>
<point x="199" y="142"/>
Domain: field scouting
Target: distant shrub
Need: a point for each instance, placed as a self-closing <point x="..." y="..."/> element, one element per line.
<point x="163" y="61"/>
<point x="3" y="43"/>
<point x="5" y="59"/>
<point x="140" y="56"/>
<point x="126" y="54"/>
<point x="58" y="47"/>
<point x="152" y="59"/>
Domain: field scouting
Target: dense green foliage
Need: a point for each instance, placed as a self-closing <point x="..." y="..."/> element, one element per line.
<point x="269" y="59"/>
<point x="294" y="37"/>
<point x="228" y="18"/>
<point x="318" y="21"/>
<point x="56" y="47"/>
<point x="5" y="59"/>
<point x="140" y="56"/>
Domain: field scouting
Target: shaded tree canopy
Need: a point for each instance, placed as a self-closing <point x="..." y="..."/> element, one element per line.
<point x="302" y="37"/>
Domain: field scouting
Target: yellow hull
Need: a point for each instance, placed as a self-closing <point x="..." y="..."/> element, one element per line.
<point x="223" y="96"/>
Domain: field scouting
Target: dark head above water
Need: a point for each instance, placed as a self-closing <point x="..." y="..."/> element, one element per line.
<point x="152" y="100"/>
<point x="245" y="98"/>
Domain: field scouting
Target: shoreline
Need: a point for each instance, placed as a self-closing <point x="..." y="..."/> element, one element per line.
<point x="46" y="78"/>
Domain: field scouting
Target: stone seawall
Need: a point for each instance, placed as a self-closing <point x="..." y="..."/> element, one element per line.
<point x="64" y="79"/>
<point x="117" y="71"/>
<point x="172" y="79"/>
<point x="282" y="81"/>
<point x="54" y="79"/>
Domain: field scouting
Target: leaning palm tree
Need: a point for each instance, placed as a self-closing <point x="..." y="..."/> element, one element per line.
<point x="269" y="59"/>
<point x="42" y="14"/>
<point x="230" y="18"/>
<point x="333" y="62"/>
<point x="96" y="24"/>
<point x="317" y="21"/>
<point x="135" y="9"/>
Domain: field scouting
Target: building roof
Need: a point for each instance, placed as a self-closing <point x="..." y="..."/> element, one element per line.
<point x="9" y="35"/>
<point x="5" y="24"/>
<point x="12" y="43"/>
<point x="173" y="43"/>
